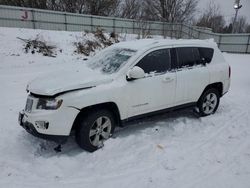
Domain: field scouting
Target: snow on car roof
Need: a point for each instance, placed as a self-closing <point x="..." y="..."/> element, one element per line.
<point x="151" y="43"/>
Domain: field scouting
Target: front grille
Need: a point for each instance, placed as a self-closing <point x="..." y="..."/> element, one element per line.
<point x="29" y="104"/>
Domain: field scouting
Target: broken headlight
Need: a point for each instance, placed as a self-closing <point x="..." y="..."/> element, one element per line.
<point x="48" y="104"/>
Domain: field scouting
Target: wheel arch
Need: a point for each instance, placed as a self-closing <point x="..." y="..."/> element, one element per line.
<point x="111" y="106"/>
<point x="216" y="85"/>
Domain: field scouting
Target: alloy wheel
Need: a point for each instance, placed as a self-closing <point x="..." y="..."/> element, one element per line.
<point x="100" y="131"/>
<point x="209" y="103"/>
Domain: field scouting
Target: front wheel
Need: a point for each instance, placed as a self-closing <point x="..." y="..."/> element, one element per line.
<point x="94" y="129"/>
<point x="208" y="102"/>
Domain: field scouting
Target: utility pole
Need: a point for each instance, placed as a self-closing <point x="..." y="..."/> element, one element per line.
<point x="237" y="6"/>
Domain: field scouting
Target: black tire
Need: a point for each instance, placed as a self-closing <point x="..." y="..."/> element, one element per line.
<point x="207" y="107"/>
<point x="88" y="124"/>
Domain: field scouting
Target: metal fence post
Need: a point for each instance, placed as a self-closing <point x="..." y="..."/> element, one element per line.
<point x="171" y="31"/>
<point x="114" y="25"/>
<point x="181" y="30"/>
<point x="189" y="31"/>
<point x="91" y="23"/>
<point x="248" y="43"/>
<point x="65" y="22"/>
<point x="192" y="33"/>
<point x="219" y="42"/>
<point x="163" y="29"/>
<point x="33" y="18"/>
<point x="133" y="26"/>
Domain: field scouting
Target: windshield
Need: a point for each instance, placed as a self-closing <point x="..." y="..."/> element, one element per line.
<point x="111" y="60"/>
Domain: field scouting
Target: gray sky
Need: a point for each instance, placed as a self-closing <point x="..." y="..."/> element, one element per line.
<point x="227" y="9"/>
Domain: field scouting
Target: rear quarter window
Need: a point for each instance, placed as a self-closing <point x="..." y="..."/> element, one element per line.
<point x="188" y="56"/>
<point x="206" y="54"/>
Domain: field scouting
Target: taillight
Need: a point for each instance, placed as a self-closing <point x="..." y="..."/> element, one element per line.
<point x="229" y="72"/>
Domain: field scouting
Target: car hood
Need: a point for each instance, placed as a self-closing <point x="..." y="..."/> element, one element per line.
<point x="64" y="81"/>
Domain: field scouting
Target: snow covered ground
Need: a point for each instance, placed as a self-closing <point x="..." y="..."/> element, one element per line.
<point x="172" y="150"/>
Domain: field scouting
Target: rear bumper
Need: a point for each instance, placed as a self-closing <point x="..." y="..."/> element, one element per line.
<point x="30" y="128"/>
<point x="226" y="86"/>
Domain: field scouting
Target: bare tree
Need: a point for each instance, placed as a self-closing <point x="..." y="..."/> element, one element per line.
<point x="101" y="7"/>
<point x="228" y="28"/>
<point x="94" y="7"/>
<point x="241" y="24"/>
<point x="144" y="29"/>
<point x="171" y="10"/>
<point x="42" y="4"/>
<point x="160" y="10"/>
<point x="130" y="9"/>
<point x="12" y="2"/>
<point x="248" y="28"/>
<point x="52" y="5"/>
<point x="80" y="4"/>
<point x="68" y="6"/>
<point x="212" y="18"/>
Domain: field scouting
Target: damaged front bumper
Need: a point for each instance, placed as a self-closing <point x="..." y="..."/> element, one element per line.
<point x="30" y="128"/>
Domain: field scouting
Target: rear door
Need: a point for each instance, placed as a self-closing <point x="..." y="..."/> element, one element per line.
<point x="192" y="75"/>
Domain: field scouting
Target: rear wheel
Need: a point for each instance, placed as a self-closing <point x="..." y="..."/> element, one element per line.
<point x="94" y="129"/>
<point x="208" y="102"/>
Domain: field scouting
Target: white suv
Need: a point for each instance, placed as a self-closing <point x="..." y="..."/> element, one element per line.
<point x="125" y="81"/>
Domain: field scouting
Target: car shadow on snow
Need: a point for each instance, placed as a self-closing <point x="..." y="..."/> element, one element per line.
<point x="166" y="120"/>
<point x="43" y="148"/>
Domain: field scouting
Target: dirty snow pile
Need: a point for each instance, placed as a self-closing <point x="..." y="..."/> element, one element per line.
<point x="172" y="150"/>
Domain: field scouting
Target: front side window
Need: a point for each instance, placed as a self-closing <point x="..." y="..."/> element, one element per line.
<point x="111" y="60"/>
<point x="188" y="56"/>
<point x="156" y="62"/>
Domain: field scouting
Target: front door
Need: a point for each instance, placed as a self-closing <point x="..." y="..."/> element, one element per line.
<point x="156" y="90"/>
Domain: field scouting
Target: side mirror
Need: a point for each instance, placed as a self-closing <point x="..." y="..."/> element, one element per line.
<point x="135" y="73"/>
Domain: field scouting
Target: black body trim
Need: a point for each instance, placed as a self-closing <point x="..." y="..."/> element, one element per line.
<point x="183" y="106"/>
<point x="29" y="127"/>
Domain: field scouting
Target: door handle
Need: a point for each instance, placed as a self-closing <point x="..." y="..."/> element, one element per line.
<point x="168" y="79"/>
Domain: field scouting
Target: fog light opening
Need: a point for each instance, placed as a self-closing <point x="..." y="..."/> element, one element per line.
<point x="42" y="124"/>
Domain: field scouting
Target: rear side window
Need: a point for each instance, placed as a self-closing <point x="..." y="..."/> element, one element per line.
<point x="188" y="56"/>
<point x="157" y="61"/>
<point x="206" y="54"/>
